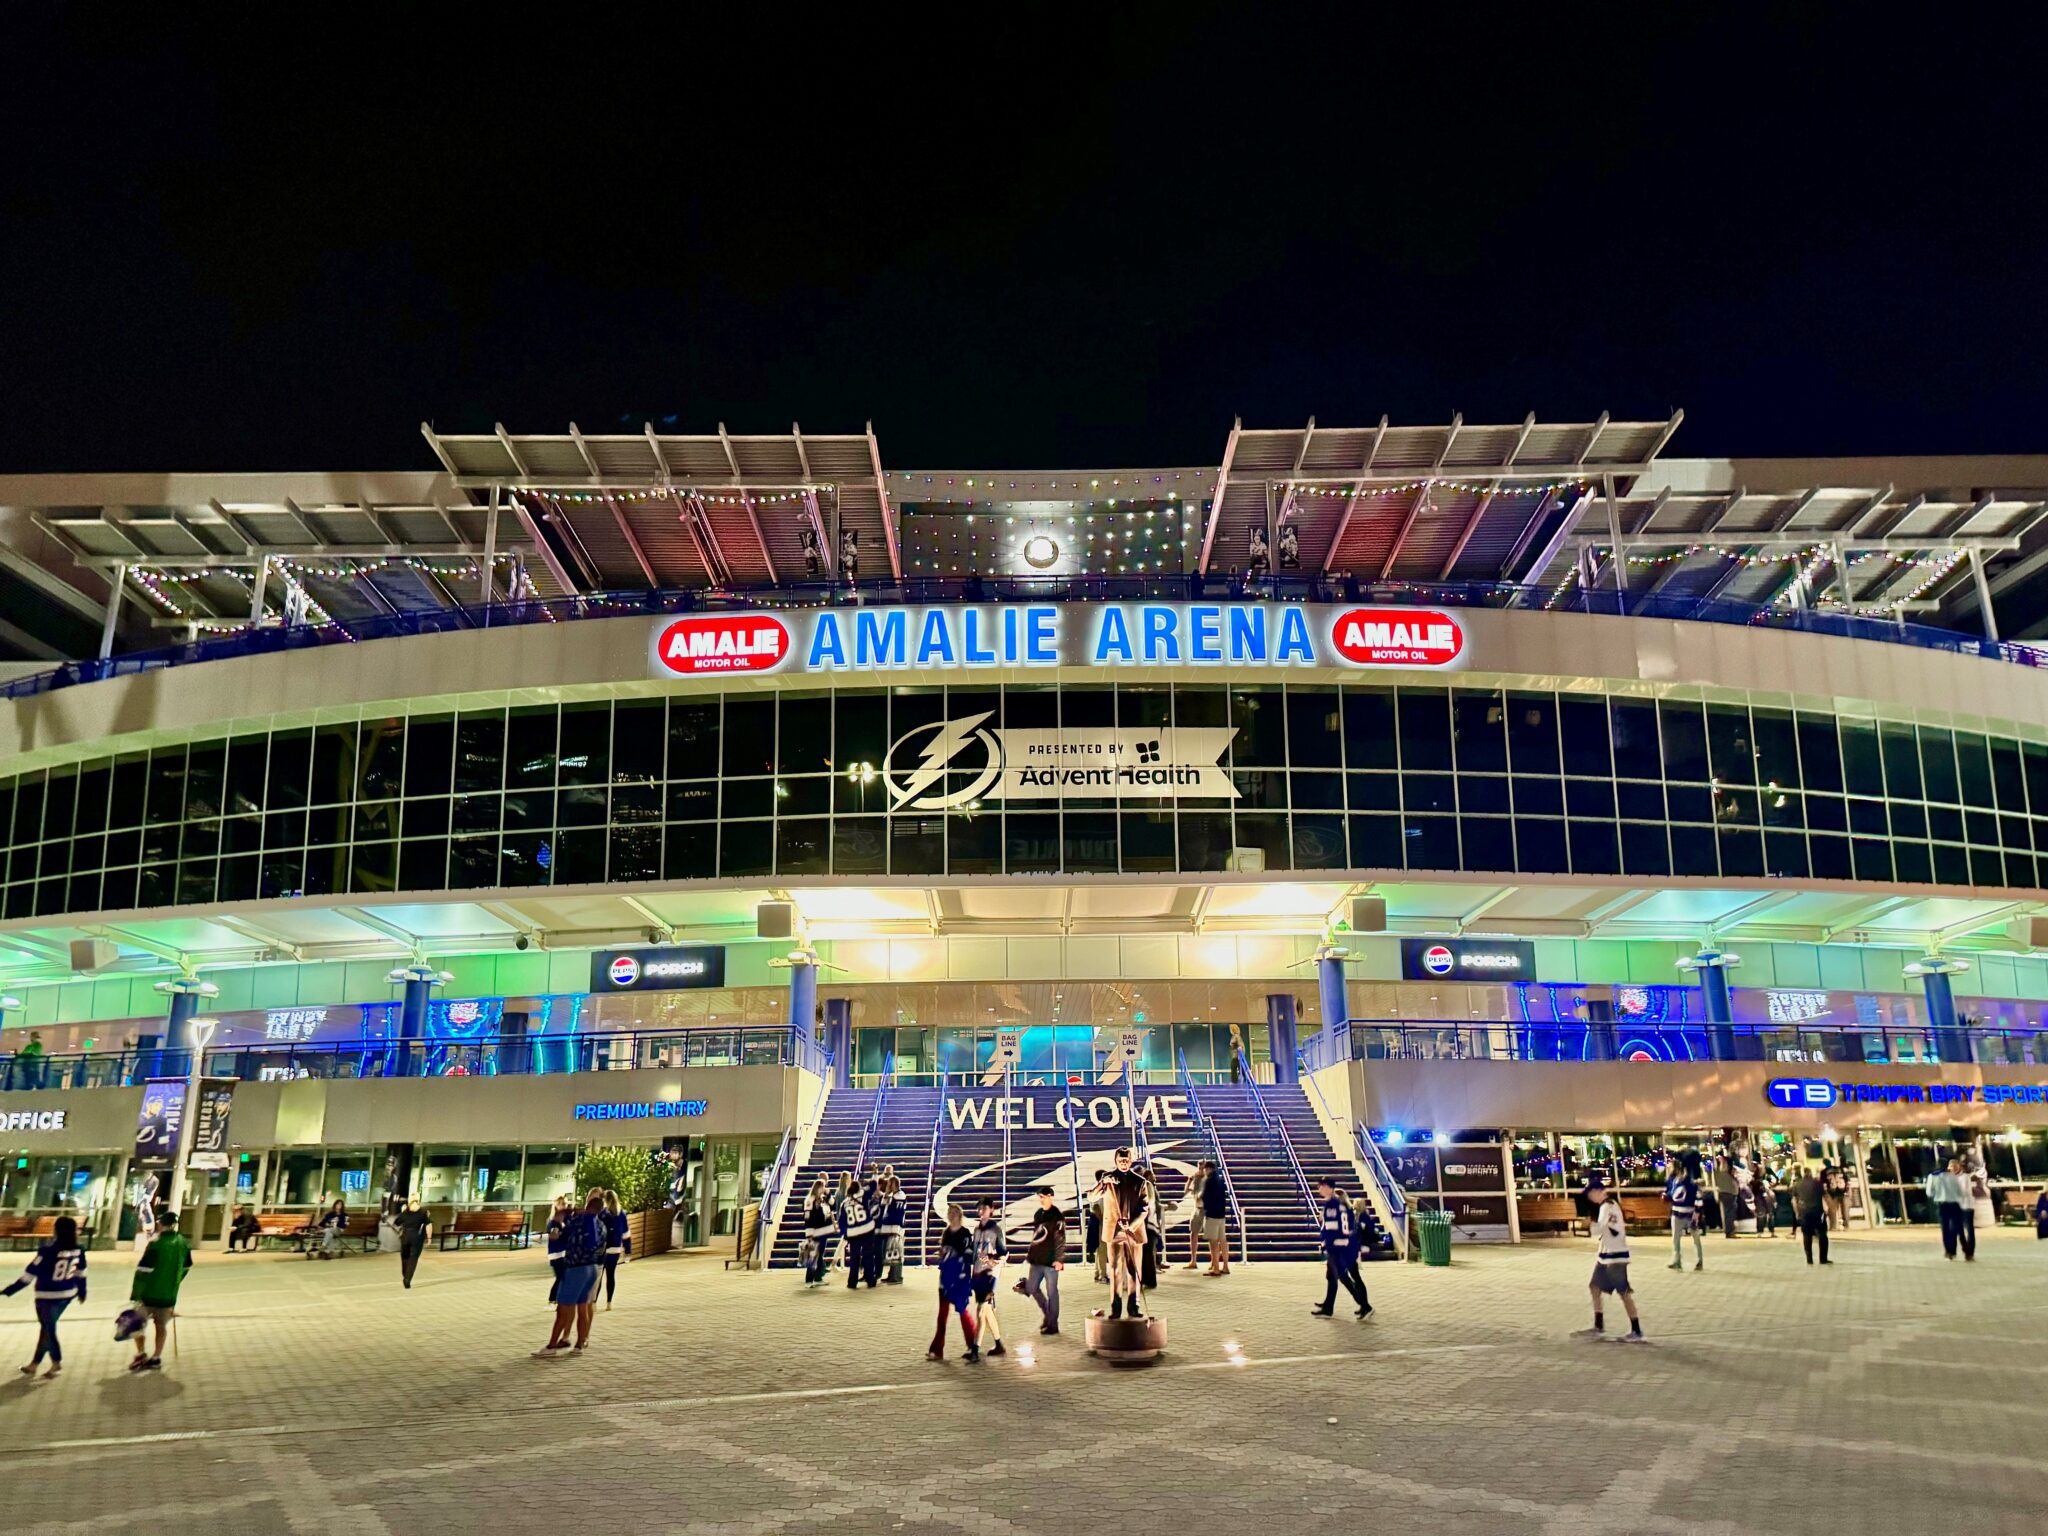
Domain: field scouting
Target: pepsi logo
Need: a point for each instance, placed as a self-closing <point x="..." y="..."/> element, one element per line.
<point x="710" y="643"/>
<point x="1397" y="637"/>
<point x="624" y="971"/>
<point x="1438" y="960"/>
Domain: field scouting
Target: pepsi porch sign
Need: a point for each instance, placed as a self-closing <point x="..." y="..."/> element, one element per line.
<point x="1501" y="960"/>
<point x="968" y="637"/>
<point x="657" y="970"/>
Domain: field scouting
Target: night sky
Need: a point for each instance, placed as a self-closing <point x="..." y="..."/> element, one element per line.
<point x="1077" y="242"/>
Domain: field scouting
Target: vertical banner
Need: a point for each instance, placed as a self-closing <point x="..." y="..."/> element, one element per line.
<point x="160" y="1119"/>
<point x="210" y="1128"/>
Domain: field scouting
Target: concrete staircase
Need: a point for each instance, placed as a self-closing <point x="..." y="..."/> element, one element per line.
<point x="1275" y="1210"/>
<point x="902" y="1140"/>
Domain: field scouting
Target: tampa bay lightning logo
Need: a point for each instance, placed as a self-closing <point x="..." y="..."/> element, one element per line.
<point x="919" y="761"/>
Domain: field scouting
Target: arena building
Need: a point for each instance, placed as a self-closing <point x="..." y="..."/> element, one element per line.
<point x="1457" y="807"/>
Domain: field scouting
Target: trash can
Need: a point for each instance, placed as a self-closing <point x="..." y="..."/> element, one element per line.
<point x="1433" y="1237"/>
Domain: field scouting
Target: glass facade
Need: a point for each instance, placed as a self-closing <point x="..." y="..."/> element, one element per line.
<point x="744" y="786"/>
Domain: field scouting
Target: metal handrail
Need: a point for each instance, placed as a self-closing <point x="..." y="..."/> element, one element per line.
<point x="1276" y="1130"/>
<point x="771" y="1188"/>
<point x="269" y="640"/>
<point x="1208" y="1129"/>
<point x="1372" y="1164"/>
<point x="931" y="1179"/>
<point x="860" y="1158"/>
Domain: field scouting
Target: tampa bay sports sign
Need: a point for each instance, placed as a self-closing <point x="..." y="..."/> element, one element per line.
<point x="959" y="638"/>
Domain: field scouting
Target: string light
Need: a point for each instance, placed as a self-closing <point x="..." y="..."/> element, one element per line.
<point x="1436" y="483"/>
<point x="670" y="492"/>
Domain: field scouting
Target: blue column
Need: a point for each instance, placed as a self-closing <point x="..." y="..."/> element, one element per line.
<point x="1282" y="1038"/>
<point x="1600" y="1040"/>
<point x="838" y="1036"/>
<point x="412" y="1024"/>
<point x="184" y="1005"/>
<point x="1951" y="1041"/>
<point x="803" y="1000"/>
<point x="1336" y="1003"/>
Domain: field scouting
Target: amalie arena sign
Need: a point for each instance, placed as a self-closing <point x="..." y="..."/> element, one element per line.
<point x="962" y="638"/>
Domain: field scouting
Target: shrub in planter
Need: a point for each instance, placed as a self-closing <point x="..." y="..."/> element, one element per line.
<point x="639" y="1177"/>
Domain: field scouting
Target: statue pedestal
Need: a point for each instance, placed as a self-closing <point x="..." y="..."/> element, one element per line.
<point x="1126" y="1340"/>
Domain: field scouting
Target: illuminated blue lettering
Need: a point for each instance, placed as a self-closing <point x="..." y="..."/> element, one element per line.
<point x="878" y="639"/>
<point x="971" y="650"/>
<point x="935" y="640"/>
<point x="827" y="645"/>
<point x="1041" y="635"/>
<point x="1247" y="634"/>
<point x="1011" y="650"/>
<point x="1204" y="634"/>
<point x="1159" y="635"/>
<point x="1294" y="642"/>
<point x="1113" y="637"/>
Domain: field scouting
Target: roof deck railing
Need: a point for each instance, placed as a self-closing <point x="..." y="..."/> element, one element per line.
<point x="272" y="639"/>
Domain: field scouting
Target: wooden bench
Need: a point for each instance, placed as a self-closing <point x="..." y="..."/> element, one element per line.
<point x="308" y="1234"/>
<point x="280" y="1226"/>
<point x="27" y="1231"/>
<point x="1641" y="1209"/>
<point x="509" y="1225"/>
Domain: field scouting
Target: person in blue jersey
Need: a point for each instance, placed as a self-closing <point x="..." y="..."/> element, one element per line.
<point x="618" y="1244"/>
<point x="817" y="1244"/>
<point x="990" y="1250"/>
<point x="1682" y="1194"/>
<point x="2041" y="1217"/>
<point x="889" y="1221"/>
<point x="1610" y="1267"/>
<point x="1339" y="1225"/>
<point x="583" y="1245"/>
<point x="956" y="1286"/>
<point x="58" y="1273"/>
<point x="857" y="1231"/>
<point x="557" y="1220"/>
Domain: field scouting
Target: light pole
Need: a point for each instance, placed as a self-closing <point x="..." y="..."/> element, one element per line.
<point x="198" y="1032"/>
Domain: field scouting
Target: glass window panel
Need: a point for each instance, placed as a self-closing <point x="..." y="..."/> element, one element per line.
<point x="1375" y="842"/>
<point x="1862" y="768"/>
<point x="1820" y="753"/>
<point x="748" y="742"/>
<point x="131" y="779"/>
<point x="380" y="749"/>
<point x="1147" y="841"/>
<point x="1594" y="848"/>
<point x="636" y="804"/>
<point x="1951" y="864"/>
<point x="1540" y="845"/>
<point x="579" y="857"/>
<point x="1144" y="706"/>
<point x="639" y="740"/>
<point x="584" y="806"/>
<point x="1483" y="794"/>
<point x="586" y="744"/>
<point x="1973" y="762"/>
<point x="166" y="793"/>
<point x="1200" y="706"/>
<point x="1829" y="855"/>
<point x="1912" y="860"/>
<point x="689" y="852"/>
<point x="1732" y="751"/>
<point x="525" y="858"/>
<point x="1868" y="816"/>
<point x="1429" y="792"/>
<point x="747" y="798"/>
<point x="1373" y="791"/>
<point x="1785" y="855"/>
<point x="1268" y="836"/>
<point x="1425" y="715"/>
<point x="917" y="845"/>
<point x="1024" y="708"/>
<point x="424" y="818"/>
<point x="1260" y="718"/>
<point x="1639" y="802"/>
<point x="860" y="845"/>
<point x="1644" y="849"/>
<point x="60" y="802"/>
<point x="1688" y="802"/>
<point x="1587" y="744"/>
<point x="1319" y="791"/>
<point x="480" y="750"/>
<point x="1901" y="759"/>
<point x="429" y="754"/>
<point x="1369" y="732"/>
<point x="1938" y="763"/>
<point x="1533" y="722"/>
<point x="1314" y="728"/>
<point x="806" y="735"/>
<point x="472" y="863"/>
<point x="373" y="867"/>
<point x="532" y="740"/>
<point x="808" y="796"/>
<point x="1031" y="843"/>
<point x="2006" y="776"/>
<point x="422" y="864"/>
<point x="1431" y="841"/>
<point x="1777" y="747"/>
<point x="803" y="845"/>
<point x="1683" y="732"/>
<point x="1545" y="797"/>
<point x="1479" y="730"/>
<point x="1693" y="851"/>
<point x="1873" y="858"/>
<point x="1205" y="840"/>
<point x="1089" y="839"/>
<point x="1944" y="823"/>
<point x="1908" y="820"/>
<point x="205" y="778"/>
<point x="1589" y="797"/>
<point x="1742" y="851"/>
<point x="1319" y="841"/>
<point x="746" y="848"/>
<point x="1637" y="750"/>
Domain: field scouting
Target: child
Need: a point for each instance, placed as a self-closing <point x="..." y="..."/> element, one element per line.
<point x="956" y="1286"/>
<point x="989" y="1252"/>
<point x="58" y="1273"/>
<point x="1610" y="1270"/>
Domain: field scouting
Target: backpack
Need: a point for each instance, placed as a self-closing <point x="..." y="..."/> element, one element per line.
<point x="583" y="1239"/>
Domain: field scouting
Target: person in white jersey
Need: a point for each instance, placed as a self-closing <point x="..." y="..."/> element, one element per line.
<point x="1610" y="1269"/>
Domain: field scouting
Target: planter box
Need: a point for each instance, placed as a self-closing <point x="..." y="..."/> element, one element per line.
<point x="653" y="1232"/>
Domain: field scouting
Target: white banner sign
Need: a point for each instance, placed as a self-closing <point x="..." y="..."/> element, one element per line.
<point x="1104" y="762"/>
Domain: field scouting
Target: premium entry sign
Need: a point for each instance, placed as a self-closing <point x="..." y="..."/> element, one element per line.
<point x="657" y="970"/>
<point x="1468" y="960"/>
<point x="957" y="638"/>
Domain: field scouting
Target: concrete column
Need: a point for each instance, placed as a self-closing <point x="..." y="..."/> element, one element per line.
<point x="1282" y="1037"/>
<point x="803" y="1000"/>
<point x="1720" y="1012"/>
<point x="838" y="1036"/>
<point x="1330" y="993"/>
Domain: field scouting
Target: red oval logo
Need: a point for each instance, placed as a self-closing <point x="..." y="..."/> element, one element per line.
<point x="1397" y="637"/>
<point x="722" y="642"/>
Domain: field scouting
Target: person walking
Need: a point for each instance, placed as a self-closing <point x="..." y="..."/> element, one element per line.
<point x="2041" y="1216"/>
<point x="159" y="1275"/>
<point x="1950" y="1192"/>
<point x="1610" y="1267"/>
<point x="30" y="1060"/>
<point x="1045" y="1258"/>
<point x="618" y="1244"/>
<point x="583" y="1244"/>
<point x="558" y="1218"/>
<point x="1682" y="1194"/>
<point x="1215" y="1219"/>
<point x="956" y="1286"/>
<point x="58" y="1273"/>
<point x="1763" y="1192"/>
<point x="1340" y="1252"/>
<point x="1191" y="1211"/>
<point x="1727" y="1193"/>
<point x="817" y="1245"/>
<point x="990" y="1249"/>
<point x="1809" y="1209"/>
<point x="1834" y="1188"/>
<point x="1154" y="1257"/>
<point x="415" y="1226"/>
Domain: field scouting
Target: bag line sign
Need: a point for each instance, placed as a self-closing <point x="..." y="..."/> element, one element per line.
<point x="967" y="637"/>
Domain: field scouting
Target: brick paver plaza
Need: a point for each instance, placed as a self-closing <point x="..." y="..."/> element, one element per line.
<point x="1893" y="1391"/>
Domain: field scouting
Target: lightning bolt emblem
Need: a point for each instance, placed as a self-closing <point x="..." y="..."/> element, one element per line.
<point x="952" y="735"/>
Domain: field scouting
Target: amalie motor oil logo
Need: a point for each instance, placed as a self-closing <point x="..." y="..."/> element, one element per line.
<point x="722" y="643"/>
<point x="1397" y="637"/>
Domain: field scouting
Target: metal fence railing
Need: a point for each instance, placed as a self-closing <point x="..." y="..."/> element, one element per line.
<point x="1677" y="1040"/>
<point x="270" y="640"/>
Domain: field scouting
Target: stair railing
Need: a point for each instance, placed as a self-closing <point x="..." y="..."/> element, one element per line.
<point x="1382" y="1188"/>
<point x="772" y="1190"/>
<point x="1080" y="1215"/>
<point x="931" y="1179"/>
<point x="860" y="1158"/>
<point x="1215" y="1143"/>
<point x="1276" y="1132"/>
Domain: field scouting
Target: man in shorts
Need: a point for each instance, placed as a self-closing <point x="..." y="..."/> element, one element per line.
<point x="158" y="1275"/>
<point x="1610" y="1268"/>
<point x="1215" y="1218"/>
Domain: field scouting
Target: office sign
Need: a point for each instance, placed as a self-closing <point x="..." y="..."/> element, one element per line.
<point x="210" y="1125"/>
<point x="672" y="969"/>
<point x="966" y="637"/>
<point x="160" y="1120"/>
<point x="32" y="1120"/>
<point x="1468" y="960"/>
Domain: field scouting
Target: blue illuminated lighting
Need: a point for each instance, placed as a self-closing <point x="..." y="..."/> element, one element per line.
<point x="354" y="1179"/>
<point x="1394" y="1137"/>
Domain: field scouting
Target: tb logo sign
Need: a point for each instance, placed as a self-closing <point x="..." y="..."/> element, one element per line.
<point x="1800" y="1092"/>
